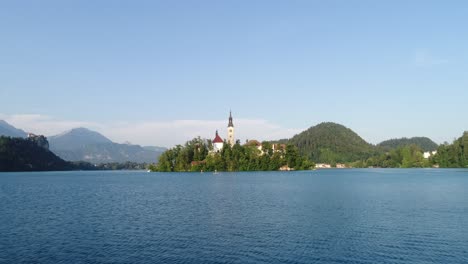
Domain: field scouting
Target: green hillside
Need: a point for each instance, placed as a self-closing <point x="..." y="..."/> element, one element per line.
<point x="18" y="154"/>
<point x="331" y="143"/>
<point x="453" y="155"/>
<point x="426" y="144"/>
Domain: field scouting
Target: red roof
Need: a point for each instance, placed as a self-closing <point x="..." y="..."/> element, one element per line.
<point x="218" y="139"/>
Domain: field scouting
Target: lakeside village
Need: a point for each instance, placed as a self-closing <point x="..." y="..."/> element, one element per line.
<point x="199" y="155"/>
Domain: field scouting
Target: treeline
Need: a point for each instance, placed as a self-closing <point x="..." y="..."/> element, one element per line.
<point x="195" y="155"/>
<point x="410" y="156"/>
<point x="426" y="144"/>
<point x="19" y="154"/>
<point x="453" y="155"/>
<point x="129" y="165"/>
<point x="332" y="143"/>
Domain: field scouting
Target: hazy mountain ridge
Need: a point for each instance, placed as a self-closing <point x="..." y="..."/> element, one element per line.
<point x="82" y="144"/>
<point x="108" y="152"/>
<point x="76" y="138"/>
<point x="11" y="131"/>
<point x="154" y="148"/>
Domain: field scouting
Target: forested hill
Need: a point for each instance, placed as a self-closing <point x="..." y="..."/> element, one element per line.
<point x="331" y="143"/>
<point x="426" y="144"/>
<point x="453" y="155"/>
<point x="18" y="154"/>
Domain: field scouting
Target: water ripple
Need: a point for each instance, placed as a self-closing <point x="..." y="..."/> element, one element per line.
<point x="333" y="216"/>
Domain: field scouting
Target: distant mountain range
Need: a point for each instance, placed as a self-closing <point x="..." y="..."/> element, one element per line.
<point x="82" y="144"/>
<point x="77" y="138"/>
<point x="10" y="131"/>
<point x="86" y="145"/>
<point x="157" y="149"/>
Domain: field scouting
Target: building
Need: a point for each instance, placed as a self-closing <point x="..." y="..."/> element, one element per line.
<point x="218" y="143"/>
<point x="278" y="147"/>
<point x="230" y="138"/>
<point x="322" y="166"/>
<point x="256" y="144"/>
<point x="40" y="140"/>
<point x="428" y="154"/>
<point x="275" y="147"/>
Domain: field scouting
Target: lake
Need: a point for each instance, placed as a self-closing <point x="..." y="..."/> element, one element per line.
<point x="323" y="216"/>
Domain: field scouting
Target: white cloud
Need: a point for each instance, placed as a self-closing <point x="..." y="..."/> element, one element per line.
<point x="156" y="133"/>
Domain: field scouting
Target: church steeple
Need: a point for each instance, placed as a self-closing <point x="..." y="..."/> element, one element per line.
<point x="230" y="120"/>
<point x="230" y="138"/>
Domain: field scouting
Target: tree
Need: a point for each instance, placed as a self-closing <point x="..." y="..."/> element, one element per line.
<point x="195" y="156"/>
<point x="453" y="155"/>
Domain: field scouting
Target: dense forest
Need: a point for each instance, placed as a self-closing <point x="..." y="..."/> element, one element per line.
<point x="18" y="154"/>
<point x="195" y="156"/>
<point x="426" y="144"/>
<point x="453" y="155"/>
<point x="332" y="143"/>
<point x="408" y="156"/>
<point x="325" y="143"/>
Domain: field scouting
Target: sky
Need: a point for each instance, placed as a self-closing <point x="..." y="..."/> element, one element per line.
<point x="163" y="72"/>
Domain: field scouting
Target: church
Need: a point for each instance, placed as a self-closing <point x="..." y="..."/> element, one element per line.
<point x="218" y="142"/>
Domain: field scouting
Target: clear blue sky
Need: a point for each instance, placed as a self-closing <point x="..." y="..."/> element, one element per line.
<point x="383" y="68"/>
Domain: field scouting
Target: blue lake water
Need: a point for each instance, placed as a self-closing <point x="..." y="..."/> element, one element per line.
<point x="324" y="216"/>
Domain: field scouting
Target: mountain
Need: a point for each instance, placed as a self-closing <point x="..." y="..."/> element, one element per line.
<point x="77" y="138"/>
<point x="426" y="144"/>
<point x="82" y="144"/>
<point x="10" y="131"/>
<point x="19" y="154"/>
<point x="331" y="142"/>
<point x="154" y="148"/>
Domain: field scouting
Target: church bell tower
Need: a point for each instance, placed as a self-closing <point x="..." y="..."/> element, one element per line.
<point x="230" y="137"/>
